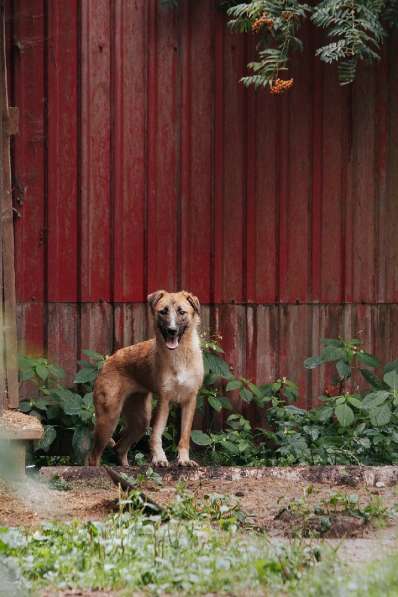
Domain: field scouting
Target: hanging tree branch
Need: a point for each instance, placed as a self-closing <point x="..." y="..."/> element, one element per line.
<point x="356" y="28"/>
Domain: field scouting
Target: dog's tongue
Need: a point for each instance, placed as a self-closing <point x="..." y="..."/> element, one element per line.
<point x="172" y="343"/>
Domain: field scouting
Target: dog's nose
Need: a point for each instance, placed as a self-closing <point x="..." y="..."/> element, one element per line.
<point x="172" y="331"/>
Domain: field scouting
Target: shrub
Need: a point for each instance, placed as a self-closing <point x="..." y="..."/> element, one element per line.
<point x="350" y="425"/>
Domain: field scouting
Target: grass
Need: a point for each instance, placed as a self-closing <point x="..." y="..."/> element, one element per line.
<point x="201" y="549"/>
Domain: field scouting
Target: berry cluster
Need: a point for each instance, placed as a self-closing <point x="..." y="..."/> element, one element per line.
<point x="280" y="85"/>
<point x="263" y="21"/>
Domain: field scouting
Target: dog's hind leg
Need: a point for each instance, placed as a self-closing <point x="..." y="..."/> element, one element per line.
<point x="108" y="406"/>
<point x="136" y="411"/>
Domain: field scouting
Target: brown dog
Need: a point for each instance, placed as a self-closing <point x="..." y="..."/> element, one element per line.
<point x="169" y="365"/>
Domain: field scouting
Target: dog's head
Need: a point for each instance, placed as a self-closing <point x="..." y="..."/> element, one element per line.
<point x="174" y="314"/>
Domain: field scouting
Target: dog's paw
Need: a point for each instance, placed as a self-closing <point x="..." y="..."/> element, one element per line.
<point x="186" y="462"/>
<point x="162" y="462"/>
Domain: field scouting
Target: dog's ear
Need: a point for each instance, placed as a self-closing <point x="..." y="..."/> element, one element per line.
<point x="154" y="298"/>
<point x="193" y="301"/>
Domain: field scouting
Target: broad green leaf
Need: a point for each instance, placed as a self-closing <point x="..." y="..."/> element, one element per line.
<point x="234" y="384"/>
<point x="215" y="403"/>
<point x="225" y="402"/>
<point x="372" y="379"/>
<point x="393" y="366"/>
<point x="391" y="378"/>
<point x="380" y="416"/>
<point x="246" y="395"/>
<point x="42" y="372"/>
<point x="45" y="442"/>
<point x="215" y="364"/>
<point x="368" y="359"/>
<point x="341" y="400"/>
<point x="73" y="405"/>
<point x="375" y="399"/>
<point x="27" y="374"/>
<point x="88" y="400"/>
<point x="365" y="442"/>
<point x="354" y="401"/>
<point x="344" y="415"/>
<point x="200" y="438"/>
<point x="312" y="362"/>
<point x="25" y="406"/>
<point x="324" y="414"/>
<point x="332" y="353"/>
<point x="343" y="369"/>
<point x="85" y="376"/>
<point x="256" y="390"/>
<point x="290" y="394"/>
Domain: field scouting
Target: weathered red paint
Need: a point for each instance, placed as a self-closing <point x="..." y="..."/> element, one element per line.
<point x="146" y="164"/>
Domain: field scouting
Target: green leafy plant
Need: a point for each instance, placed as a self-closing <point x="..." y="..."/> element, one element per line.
<point x="356" y="29"/>
<point x="65" y="413"/>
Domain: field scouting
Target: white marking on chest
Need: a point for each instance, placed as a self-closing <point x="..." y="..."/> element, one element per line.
<point x="183" y="379"/>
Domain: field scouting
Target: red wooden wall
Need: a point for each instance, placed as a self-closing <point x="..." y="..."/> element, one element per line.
<point x="142" y="163"/>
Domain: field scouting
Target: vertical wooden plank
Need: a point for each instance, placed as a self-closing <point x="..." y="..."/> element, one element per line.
<point x="218" y="172"/>
<point x="334" y="161"/>
<point x="389" y="215"/>
<point x="96" y="327"/>
<point x="62" y="163"/>
<point x="196" y="147"/>
<point x="30" y="166"/>
<point x="130" y="324"/>
<point x="364" y="186"/>
<point x="235" y="147"/>
<point x="95" y="206"/>
<point x="129" y="149"/>
<point x="62" y="337"/>
<point x="8" y="332"/>
<point x="295" y="345"/>
<point x="266" y="201"/>
<point x="298" y="223"/>
<point x="317" y="170"/>
<point x="233" y="332"/>
<point x="162" y="148"/>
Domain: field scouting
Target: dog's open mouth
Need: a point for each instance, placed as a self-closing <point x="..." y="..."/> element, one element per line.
<point x="172" y="341"/>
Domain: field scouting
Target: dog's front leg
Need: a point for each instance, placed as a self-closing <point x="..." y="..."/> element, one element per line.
<point x="187" y="413"/>
<point x="162" y="412"/>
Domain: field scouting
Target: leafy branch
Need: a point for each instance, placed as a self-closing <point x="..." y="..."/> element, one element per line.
<point x="356" y="29"/>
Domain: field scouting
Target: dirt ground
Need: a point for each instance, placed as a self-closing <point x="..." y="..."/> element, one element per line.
<point x="91" y="495"/>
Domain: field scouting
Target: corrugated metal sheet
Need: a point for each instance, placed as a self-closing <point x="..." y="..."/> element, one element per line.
<point x="143" y="163"/>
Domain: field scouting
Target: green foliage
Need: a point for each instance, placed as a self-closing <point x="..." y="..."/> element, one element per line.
<point x="356" y="29"/>
<point x="316" y="518"/>
<point x="350" y="425"/>
<point x="277" y="23"/>
<point x="66" y="414"/>
<point x="197" y="552"/>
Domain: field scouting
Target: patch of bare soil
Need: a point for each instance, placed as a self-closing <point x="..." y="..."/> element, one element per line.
<point x="266" y="501"/>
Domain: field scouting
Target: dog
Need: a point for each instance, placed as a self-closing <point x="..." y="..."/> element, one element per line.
<point x="169" y="365"/>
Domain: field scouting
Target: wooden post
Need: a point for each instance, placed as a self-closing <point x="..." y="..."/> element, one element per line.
<point x="9" y="126"/>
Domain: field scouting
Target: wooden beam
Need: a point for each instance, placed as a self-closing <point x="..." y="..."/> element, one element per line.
<point x="9" y="126"/>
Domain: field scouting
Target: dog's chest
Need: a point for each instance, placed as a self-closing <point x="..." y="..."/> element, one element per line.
<point x="181" y="381"/>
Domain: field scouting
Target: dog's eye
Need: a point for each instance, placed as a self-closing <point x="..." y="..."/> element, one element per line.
<point x="181" y="312"/>
<point x="164" y="311"/>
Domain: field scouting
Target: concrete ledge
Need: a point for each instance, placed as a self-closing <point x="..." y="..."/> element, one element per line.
<point x="352" y="476"/>
<point x="15" y="425"/>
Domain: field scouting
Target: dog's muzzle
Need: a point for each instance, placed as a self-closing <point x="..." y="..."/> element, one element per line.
<point x="172" y="336"/>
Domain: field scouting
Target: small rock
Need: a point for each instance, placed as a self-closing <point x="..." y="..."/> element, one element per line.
<point x="380" y="484"/>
